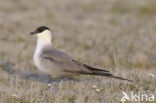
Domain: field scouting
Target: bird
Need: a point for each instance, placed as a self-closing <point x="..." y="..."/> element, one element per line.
<point x="59" y="64"/>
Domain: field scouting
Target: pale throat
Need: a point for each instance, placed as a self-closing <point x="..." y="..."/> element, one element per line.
<point x="43" y="40"/>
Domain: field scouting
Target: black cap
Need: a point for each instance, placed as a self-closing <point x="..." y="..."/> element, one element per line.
<point x="39" y="30"/>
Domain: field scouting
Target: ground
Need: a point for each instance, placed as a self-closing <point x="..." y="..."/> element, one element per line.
<point x="116" y="35"/>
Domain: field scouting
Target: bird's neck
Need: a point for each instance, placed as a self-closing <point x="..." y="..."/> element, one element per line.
<point x="44" y="39"/>
<point x="43" y="42"/>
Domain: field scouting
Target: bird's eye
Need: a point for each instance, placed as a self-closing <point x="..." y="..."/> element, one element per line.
<point x="40" y="30"/>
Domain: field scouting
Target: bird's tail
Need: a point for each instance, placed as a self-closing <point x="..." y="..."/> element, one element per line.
<point x="100" y="72"/>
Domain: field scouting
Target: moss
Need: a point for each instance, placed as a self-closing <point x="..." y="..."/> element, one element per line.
<point x="113" y="22"/>
<point x="141" y="65"/>
<point x="71" y="98"/>
<point x="18" y="39"/>
<point x="121" y="8"/>
<point x="132" y="86"/>
<point x="11" y="30"/>
<point x="148" y="8"/>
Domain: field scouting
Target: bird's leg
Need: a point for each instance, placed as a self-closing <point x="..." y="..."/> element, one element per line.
<point x="60" y="84"/>
<point x="52" y="88"/>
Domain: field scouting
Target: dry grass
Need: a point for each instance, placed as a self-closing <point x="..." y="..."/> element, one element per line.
<point x="119" y="35"/>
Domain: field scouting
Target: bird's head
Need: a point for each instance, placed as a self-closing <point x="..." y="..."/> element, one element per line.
<point x="42" y="32"/>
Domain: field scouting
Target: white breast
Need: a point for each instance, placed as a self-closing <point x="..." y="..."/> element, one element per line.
<point x="36" y="58"/>
<point x="43" y="40"/>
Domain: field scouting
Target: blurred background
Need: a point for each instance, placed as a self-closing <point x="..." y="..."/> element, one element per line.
<point x="119" y="35"/>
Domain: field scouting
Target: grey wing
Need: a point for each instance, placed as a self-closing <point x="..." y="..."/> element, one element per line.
<point x="68" y="65"/>
<point x="63" y="61"/>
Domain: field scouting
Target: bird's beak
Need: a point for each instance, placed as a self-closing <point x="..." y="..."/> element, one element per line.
<point x="32" y="33"/>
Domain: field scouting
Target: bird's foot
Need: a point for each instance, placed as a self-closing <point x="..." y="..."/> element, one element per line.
<point x="53" y="89"/>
